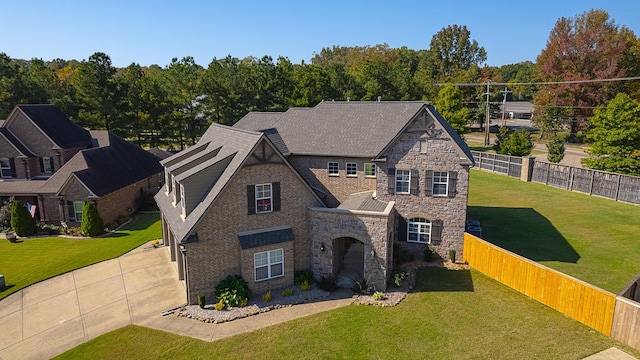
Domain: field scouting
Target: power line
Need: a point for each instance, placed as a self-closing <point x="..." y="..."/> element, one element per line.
<point x="544" y="82"/>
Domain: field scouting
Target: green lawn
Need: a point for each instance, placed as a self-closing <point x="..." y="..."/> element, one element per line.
<point x="453" y="314"/>
<point x="33" y="260"/>
<point x="590" y="238"/>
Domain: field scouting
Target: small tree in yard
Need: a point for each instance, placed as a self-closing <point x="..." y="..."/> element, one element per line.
<point x="21" y="221"/>
<point x="517" y="143"/>
<point x="91" y="224"/>
<point x="556" y="150"/>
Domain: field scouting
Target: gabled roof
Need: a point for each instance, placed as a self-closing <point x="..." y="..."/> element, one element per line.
<point x="106" y="169"/>
<point x="56" y="125"/>
<point x="15" y="142"/>
<point x="219" y="146"/>
<point x="345" y="129"/>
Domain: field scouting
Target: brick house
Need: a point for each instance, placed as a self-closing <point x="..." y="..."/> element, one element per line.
<point x="50" y="162"/>
<point x="280" y="192"/>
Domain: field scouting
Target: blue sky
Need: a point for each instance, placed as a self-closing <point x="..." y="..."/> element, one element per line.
<point x="154" y="32"/>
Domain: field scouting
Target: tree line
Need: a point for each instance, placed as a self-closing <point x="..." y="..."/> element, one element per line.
<point x="173" y="105"/>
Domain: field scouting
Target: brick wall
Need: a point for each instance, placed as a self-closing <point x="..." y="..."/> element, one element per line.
<point x="441" y="154"/>
<point x="374" y="231"/>
<point x="217" y="254"/>
<point x="314" y="170"/>
<point x="261" y="287"/>
<point x="121" y="201"/>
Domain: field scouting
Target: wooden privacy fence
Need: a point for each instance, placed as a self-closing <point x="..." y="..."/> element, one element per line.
<point x="609" y="185"/>
<point x="626" y="322"/>
<point x="583" y="302"/>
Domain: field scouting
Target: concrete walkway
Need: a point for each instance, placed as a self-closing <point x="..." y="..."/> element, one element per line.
<point x="53" y="316"/>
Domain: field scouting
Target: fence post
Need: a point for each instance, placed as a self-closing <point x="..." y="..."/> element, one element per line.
<point x="546" y="180"/>
<point x="526" y="171"/>
<point x="593" y="173"/>
<point x="618" y="187"/>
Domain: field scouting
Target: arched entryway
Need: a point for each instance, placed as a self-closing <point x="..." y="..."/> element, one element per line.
<point x="348" y="260"/>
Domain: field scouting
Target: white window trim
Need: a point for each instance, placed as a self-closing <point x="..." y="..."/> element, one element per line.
<point x="346" y="167"/>
<point x="176" y="186"/>
<point x="76" y="212"/>
<point x="46" y="160"/>
<point x="268" y="265"/>
<point x="374" y="170"/>
<point x="420" y="231"/>
<point x="337" y="165"/>
<point x="5" y="165"/>
<point x="408" y="182"/>
<point x="167" y="180"/>
<point x="182" y="201"/>
<point x="270" y="197"/>
<point x="445" y="183"/>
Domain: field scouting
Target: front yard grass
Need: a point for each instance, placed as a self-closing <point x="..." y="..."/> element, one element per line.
<point x="452" y="314"/>
<point x="33" y="260"/>
<point x="591" y="238"/>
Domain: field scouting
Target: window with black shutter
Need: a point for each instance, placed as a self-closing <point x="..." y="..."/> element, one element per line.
<point x="251" y="199"/>
<point x="453" y="180"/>
<point x="436" y="232"/>
<point x="392" y="180"/>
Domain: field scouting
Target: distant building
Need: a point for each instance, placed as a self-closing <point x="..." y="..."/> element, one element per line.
<point x="517" y="110"/>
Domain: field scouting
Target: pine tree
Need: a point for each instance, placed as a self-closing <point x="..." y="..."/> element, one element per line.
<point x="91" y="224"/>
<point x="556" y="150"/>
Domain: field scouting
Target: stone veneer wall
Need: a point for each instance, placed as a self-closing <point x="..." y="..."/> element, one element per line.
<point x="441" y="155"/>
<point x="217" y="254"/>
<point x="314" y="170"/>
<point x="373" y="230"/>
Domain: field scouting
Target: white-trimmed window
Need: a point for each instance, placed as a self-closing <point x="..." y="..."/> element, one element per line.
<point x="268" y="264"/>
<point x="403" y="181"/>
<point x="352" y="169"/>
<point x="369" y="170"/>
<point x="177" y="187"/>
<point x="47" y="165"/>
<point x="333" y="168"/>
<point x="440" y="183"/>
<point x="419" y="231"/>
<point x="77" y="209"/>
<point x="264" y="198"/>
<point x="184" y="209"/>
<point x="167" y="180"/>
<point x="5" y="168"/>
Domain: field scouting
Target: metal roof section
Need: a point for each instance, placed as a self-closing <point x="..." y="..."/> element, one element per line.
<point x="264" y="237"/>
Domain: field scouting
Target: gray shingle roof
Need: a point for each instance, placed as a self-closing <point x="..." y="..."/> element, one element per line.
<point x="363" y="201"/>
<point x="345" y="129"/>
<point x="338" y="128"/>
<point x="15" y="142"/>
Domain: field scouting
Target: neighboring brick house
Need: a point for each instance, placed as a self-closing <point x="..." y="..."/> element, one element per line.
<point x="373" y="174"/>
<point x="48" y="161"/>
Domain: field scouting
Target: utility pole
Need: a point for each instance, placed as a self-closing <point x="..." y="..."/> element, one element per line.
<point x="487" y="139"/>
<point x="504" y="104"/>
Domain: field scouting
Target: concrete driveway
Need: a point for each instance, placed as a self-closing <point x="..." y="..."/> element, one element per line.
<point x="53" y="316"/>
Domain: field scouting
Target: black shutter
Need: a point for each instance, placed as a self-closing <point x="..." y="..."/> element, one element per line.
<point x="275" y="188"/>
<point x="251" y="199"/>
<point x="436" y="232"/>
<point x="414" y="182"/>
<point x="53" y="168"/>
<point x="392" y="180"/>
<point x="41" y="165"/>
<point x="428" y="182"/>
<point x="402" y="229"/>
<point x="453" y="180"/>
<point x="12" y="165"/>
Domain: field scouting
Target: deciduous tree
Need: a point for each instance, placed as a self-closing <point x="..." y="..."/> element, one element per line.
<point x="453" y="50"/>
<point x="450" y="104"/>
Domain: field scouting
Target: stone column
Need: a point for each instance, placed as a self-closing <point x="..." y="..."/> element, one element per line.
<point x="527" y="168"/>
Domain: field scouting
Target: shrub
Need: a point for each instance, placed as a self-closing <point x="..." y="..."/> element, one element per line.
<point x="303" y="275"/>
<point x="305" y="286"/>
<point x="232" y="299"/>
<point x="287" y="292"/>
<point x="452" y="255"/>
<point x="402" y="256"/>
<point x="361" y="285"/>
<point x="220" y="305"/>
<point x="21" y="221"/>
<point x="5" y="214"/>
<point x="556" y="150"/>
<point x="91" y="223"/>
<point x="267" y="296"/>
<point x="328" y="282"/>
<point x="201" y="300"/>
<point x="430" y="254"/>
<point x="397" y="277"/>
<point x="378" y="296"/>
<point x="517" y="143"/>
<point x="233" y="282"/>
